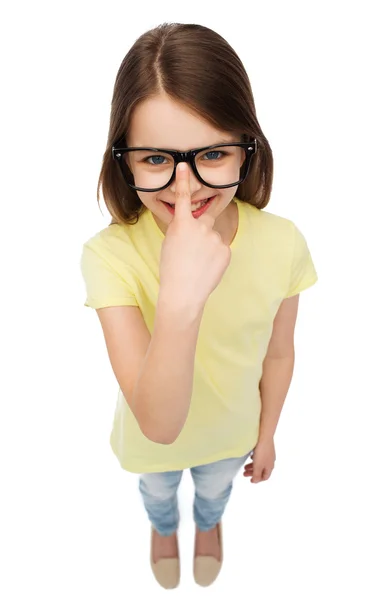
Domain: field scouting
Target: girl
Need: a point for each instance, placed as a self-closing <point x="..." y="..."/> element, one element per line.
<point x="195" y="285"/>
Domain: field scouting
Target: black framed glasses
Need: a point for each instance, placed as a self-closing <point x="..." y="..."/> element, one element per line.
<point x="153" y="169"/>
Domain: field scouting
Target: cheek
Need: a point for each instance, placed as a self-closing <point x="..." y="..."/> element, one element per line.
<point x="147" y="198"/>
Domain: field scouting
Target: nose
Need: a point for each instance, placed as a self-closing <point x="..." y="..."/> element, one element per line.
<point x="195" y="185"/>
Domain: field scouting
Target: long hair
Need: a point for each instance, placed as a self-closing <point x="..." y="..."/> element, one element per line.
<point x="197" y="68"/>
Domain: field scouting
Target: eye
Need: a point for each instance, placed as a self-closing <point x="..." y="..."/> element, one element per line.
<point x="214" y="152"/>
<point x="158" y="156"/>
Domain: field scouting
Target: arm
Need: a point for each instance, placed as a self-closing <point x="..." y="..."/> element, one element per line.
<point x="163" y="390"/>
<point x="278" y="367"/>
<point x="273" y="387"/>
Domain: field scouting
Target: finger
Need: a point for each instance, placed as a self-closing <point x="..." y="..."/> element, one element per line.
<point x="182" y="193"/>
<point x="257" y="475"/>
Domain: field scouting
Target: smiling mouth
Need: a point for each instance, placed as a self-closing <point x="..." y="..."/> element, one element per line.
<point x="194" y="205"/>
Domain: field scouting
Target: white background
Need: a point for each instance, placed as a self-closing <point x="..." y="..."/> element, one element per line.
<point x="72" y="524"/>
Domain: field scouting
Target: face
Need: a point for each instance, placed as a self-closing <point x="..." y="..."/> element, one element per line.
<point x="159" y="122"/>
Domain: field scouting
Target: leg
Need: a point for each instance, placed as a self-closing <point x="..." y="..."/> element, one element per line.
<point x="213" y="486"/>
<point x="159" y="494"/>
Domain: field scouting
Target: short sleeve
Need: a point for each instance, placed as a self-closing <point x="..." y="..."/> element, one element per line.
<point x="302" y="272"/>
<point x="104" y="285"/>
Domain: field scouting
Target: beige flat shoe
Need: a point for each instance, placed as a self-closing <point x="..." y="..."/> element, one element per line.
<point x="207" y="568"/>
<point x="166" y="570"/>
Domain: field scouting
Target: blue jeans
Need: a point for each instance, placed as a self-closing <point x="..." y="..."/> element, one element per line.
<point x="213" y="485"/>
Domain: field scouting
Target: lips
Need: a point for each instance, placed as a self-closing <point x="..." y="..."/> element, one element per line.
<point x="196" y="211"/>
<point x="194" y="202"/>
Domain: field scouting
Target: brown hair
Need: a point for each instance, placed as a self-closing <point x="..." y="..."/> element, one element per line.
<point x="196" y="67"/>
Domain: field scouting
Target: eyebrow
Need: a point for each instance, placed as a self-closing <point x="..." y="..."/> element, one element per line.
<point x="217" y="143"/>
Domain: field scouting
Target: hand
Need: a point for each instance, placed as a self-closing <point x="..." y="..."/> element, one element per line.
<point x="263" y="459"/>
<point x="193" y="257"/>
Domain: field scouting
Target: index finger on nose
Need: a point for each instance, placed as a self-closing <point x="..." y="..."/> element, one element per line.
<point x="182" y="193"/>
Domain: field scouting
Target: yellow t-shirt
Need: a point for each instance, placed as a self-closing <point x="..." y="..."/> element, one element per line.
<point x="270" y="261"/>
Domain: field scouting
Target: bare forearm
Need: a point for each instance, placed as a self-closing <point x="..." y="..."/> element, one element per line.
<point x="162" y="394"/>
<point x="273" y="386"/>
